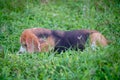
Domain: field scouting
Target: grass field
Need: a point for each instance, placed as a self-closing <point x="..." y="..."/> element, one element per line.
<point x="101" y="15"/>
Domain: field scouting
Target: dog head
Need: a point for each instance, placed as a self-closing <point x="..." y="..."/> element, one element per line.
<point x="32" y="41"/>
<point x="29" y="42"/>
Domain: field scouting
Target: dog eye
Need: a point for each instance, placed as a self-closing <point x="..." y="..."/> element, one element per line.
<point x="25" y="45"/>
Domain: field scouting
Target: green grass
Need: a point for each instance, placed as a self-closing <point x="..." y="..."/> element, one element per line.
<point x="101" y="15"/>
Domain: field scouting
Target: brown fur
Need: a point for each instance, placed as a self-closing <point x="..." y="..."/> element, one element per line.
<point x="47" y="45"/>
<point x="98" y="38"/>
<point x="30" y="41"/>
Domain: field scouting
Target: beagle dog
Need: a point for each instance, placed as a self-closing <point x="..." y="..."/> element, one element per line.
<point x="44" y="40"/>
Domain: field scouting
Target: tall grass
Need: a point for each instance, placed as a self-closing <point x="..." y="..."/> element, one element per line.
<point x="17" y="15"/>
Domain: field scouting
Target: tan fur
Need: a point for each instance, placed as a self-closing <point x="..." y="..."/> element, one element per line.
<point x="98" y="39"/>
<point x="47" y="45"/>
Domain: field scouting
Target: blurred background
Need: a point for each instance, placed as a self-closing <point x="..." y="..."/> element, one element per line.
<point x="101" y="15"/>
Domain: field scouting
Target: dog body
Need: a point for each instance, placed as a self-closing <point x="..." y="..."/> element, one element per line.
<point x="43" y="40"/>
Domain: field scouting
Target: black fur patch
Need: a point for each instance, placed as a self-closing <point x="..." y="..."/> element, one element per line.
<point x="75" y="39"/>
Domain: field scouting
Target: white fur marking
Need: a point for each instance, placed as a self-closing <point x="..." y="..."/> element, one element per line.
<point x="22" y="49"/>
<point x="79" y="37"/>
<point x="93" y="45"/>
<point x="39" y="47"/>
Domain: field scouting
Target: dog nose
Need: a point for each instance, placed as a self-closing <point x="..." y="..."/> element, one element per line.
<point x="19" y="52"/>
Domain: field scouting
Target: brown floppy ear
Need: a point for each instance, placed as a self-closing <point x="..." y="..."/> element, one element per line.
<point x="29" y="45"/>
<point x="37" y="46"/>
<point x="33" y="44"/>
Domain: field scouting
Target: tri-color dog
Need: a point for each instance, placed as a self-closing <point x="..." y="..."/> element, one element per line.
<point x="43" y="40"/>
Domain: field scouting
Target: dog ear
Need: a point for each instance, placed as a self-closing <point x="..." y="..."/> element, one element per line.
<point x="33" y="44"/>
<point x="30" y="45"/>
